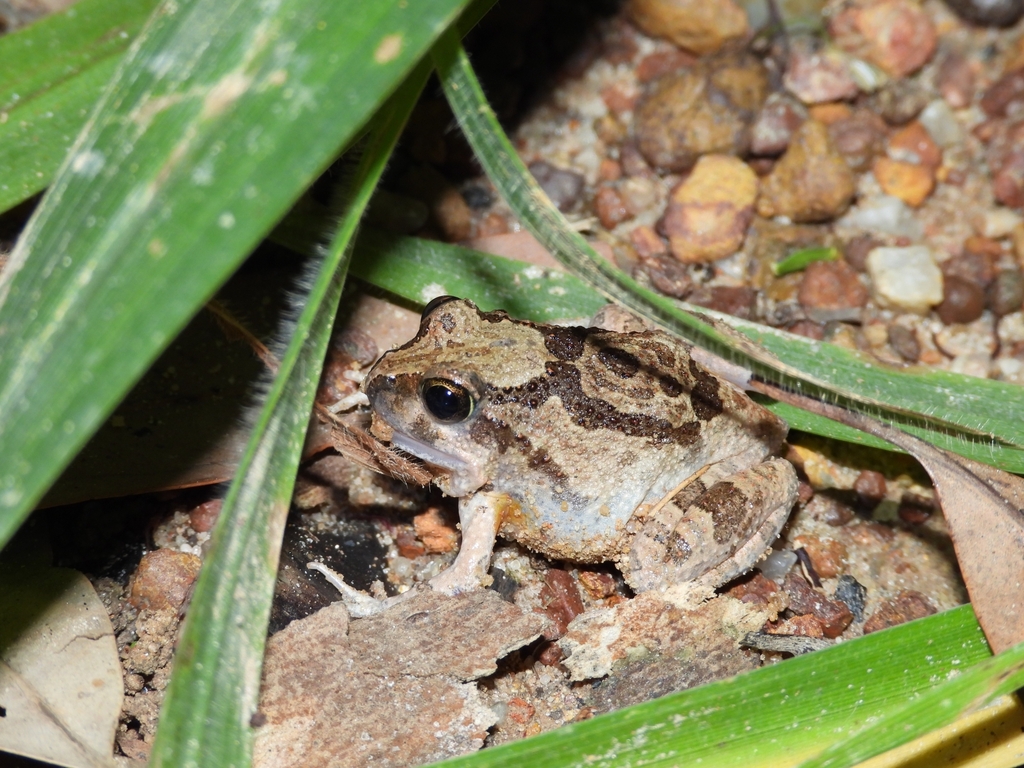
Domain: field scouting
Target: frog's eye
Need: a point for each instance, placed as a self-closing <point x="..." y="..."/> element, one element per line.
<point x="446" y="401"/>
<point x="434" y="304"/>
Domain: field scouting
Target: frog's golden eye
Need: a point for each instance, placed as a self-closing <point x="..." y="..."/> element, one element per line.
<point x="445" y="400"/>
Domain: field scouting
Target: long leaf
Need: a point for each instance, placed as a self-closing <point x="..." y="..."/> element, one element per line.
<point x="53" y="72"/>
<point x="217" y="119"/>
<point x="213" y="691"/>
<point x="840" y="375"/>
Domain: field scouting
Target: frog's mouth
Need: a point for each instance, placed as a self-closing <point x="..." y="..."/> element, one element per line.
<point x="458" y="477"/>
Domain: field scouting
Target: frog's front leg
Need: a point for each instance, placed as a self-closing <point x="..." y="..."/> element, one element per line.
<point x="479" y="518"/>
<point x="712" y="534"/>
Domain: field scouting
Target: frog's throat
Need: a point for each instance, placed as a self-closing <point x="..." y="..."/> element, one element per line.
<point x="410" y="444"/>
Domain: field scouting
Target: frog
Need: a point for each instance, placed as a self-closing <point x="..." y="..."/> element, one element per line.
<point x="585" y="445"/>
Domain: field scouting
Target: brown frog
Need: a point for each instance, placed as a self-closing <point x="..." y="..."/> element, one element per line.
<point x="585" y="445"/>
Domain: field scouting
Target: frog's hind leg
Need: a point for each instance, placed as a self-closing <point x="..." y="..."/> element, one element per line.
<point x="716" y="536"/>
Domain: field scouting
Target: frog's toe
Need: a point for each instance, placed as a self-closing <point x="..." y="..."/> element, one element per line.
<point x="359" y="603"/>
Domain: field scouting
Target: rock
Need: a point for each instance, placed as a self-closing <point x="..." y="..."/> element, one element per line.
<point x="905" y="278"/>
<point x="830" y="290"/>
<point x="904" y="341"/>
<point x="660" y="63"/>
<point x="1008" y="90"/>
<point x="955" y="80"/>
<point x="779" y="119"/>
<point x="694" y="25"/>
<point x="817" y="75"/>
<point x="1005" y="156"/>
<point x="884" y="214"/>
<point x="203" y="517"/>
<point x="900" y="101"/>
<point x="707" y="109"/>
<point x="860" y="138"/>
<point x="646" y="242"/>
<point x="708" y="214"/>
<point x="1006" y="293"/>
<point x="914" y="144"/>
<point x="907" y="605"/>
<point x="897" y="35"/>
<point x="737" y="301"/>
<point x="976" y="264"/>
<point x="989" y="13"/>
<point x="856" y="250"/>
<point x="910" y="182"/>
<point x="562" y="186"/>
<point x="667" y="275"/>
<point x="610" y="208"/>
<point x="164" y="580"/>
<point x="812" y="181"/>
<point x="940" y="122"/>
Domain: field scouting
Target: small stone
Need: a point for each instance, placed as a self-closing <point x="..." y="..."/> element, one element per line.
<point x="904" y="341"/>
<point x="492" y="224"/>
<point x="828" y="556"/>
<point x="955" y="80"/>
<point x="477" y="197"/>
<point x="803" y="626"/>
<point x="830" y="289"/>
<point x="1006" y="293"/>
<point x="754" y="590"/>
<point x="817" y="75"/>
<point x="989" y="13"/>
<point x="437" y="533"/>
<point x="1005" y="156"/>
<point x="667" y="275"/>
<point x="830" y="113"/>
<point x="808" y="329"/>
<point x="779" y="119"/>
<point x="884" y="214"/>
<point x="870" y="486"/>
<point x="562" y="186"/>
<point x="940" y="122"/>
<point x="860" y="138"/>
<point x="448" y="208"/>
<point x="963" y="301"/>
<point x="164" y="580"/>
<point x="856" y="251"/>
<point x="707" y="109"/>
<point x="617" y="100"/>
<point x="1001" y="222"/>
<point x="597" y="584"/>
<point x="913" y="144"/>
<point x="647" y="242"/>
<point x="909" y="182"/>
<point x="639" y="194"/>
<point x="609" y="170"/>
<point x="660" y="63"/>
<point x="834" y="616"/>
<point x="897" y="35"/>
<point x="914" y="512"/>
<point x="610" y="208"/>
<point x="1005" y="92"/>
<point x="900" y="101"/>
<point x="737" y="301"/>
<point x="632" y="161"/>
<point x="812" y="181"/>
<point x="708" y="214"/>
<point x="905" y="278"/>
<point x="203" y="517"/>
<point x="972" y="343"/>
<point x="693" y="25"/>
<point x="853" y="593"/>
<point x="906" y="606"/>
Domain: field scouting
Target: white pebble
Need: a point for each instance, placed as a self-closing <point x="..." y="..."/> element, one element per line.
<point x="999" y="222"/>
<point x="884" y="214"/>
<point x="907" y="278"/>
<point x="940" y="122"/>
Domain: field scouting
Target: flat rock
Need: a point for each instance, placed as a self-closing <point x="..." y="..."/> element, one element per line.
<point x="905" y="278"/>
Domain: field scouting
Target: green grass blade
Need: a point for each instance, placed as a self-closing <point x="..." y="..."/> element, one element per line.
<point x="53" y="73"/>
<point x="774" y="716"/>
<point x="968" y="404"/>
<point x="419" y="269"/>
<point x="214" y="687"/>
<point x="222" y="113"/>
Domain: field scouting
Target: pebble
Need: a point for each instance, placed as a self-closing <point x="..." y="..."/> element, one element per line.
<point x="694" y="25"/>
<point x="1004" y="93"/>
<point x="896" y="35"/>
<point x="647" y="242"/>
<point x="955" y="80"/>
<point x="830" y="290"/>
<point x="905" y="278"/>
<point x="610" y="208"/>
<point x="828" y="556"/>
<point x="561" y="599"/>
<point x="1006" y="293"/>
<point x="436" y="532"/>
<point x="562" y="186"/>
<point x="1005" y="154"/>
<point x="817" y="75"/>
<point x="779" y="119"/>
<point x="999" y="222"/>
<point x="940" y="122"/>
<point x="448" y="208"/>
<point x="989" y="13"/>
<point x="884" y="214"/>
<point x="834" y="616"/>
<point x="914" y="144"/>
<point x="975" y="265"/>
<point x="708" y="214"/>
<point x="164" y="579"/>
<point x="962" y="301"/>
<point x="962" y="340"/>
<point x="737" y="301"/>
<point x="859" y="137"/>
<point x="707" y="109"/>
<point x="667" y="275"/>
<point x="654" y="65"/>
<point x="904" y="341"/>
<point x="812" y="181"/>
<point x="900" y="101"/>
<point x="856" y="250"/>
<point x="203" y="517"/>
<point x="910" y="182"/>
<point x="907" y="605"/>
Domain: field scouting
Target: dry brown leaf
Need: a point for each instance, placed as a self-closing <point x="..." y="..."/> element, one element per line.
<point x="60" y="676"/>
<point x="984" y="508"/>
<point x="331" y="689"/>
